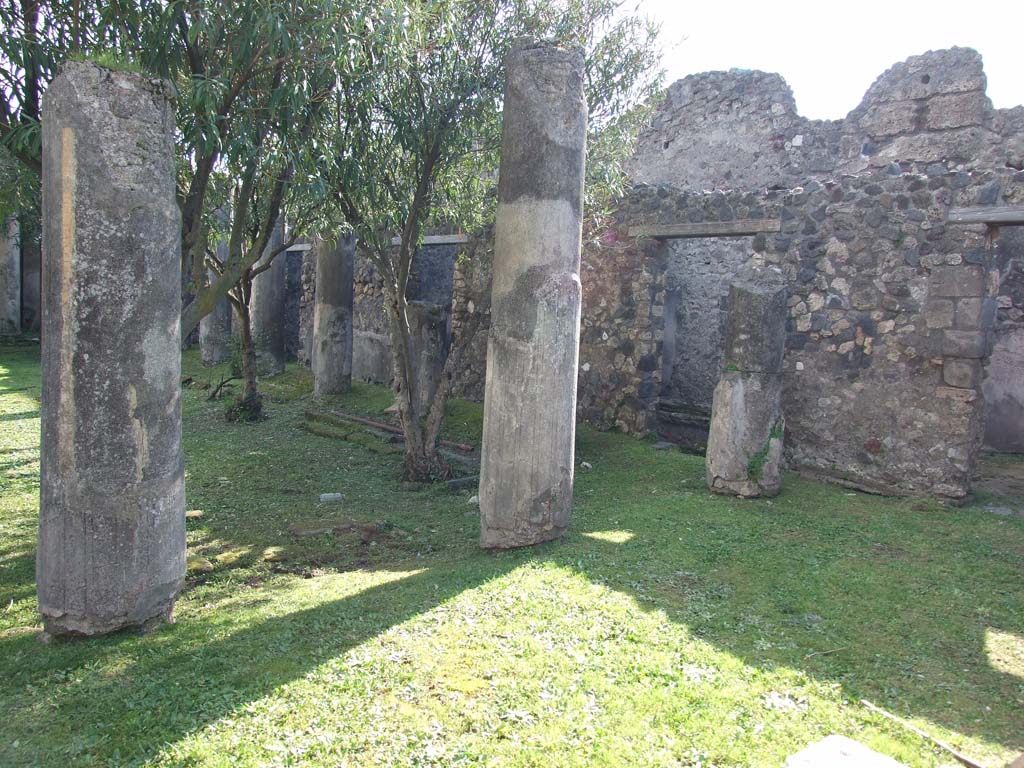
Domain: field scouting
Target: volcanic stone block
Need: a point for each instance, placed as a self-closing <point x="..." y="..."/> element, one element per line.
<point x="526" y="473"/>
<point x="965" y="374"/>
<point x="971" y="344"/>
<point x="267" y="307"/>
<point x="112" y="498"/>
<point x="756" y="325"/>
<point x="332" y="316"/>
<point x="744" y="451"/>
<point x="955" y="282"/>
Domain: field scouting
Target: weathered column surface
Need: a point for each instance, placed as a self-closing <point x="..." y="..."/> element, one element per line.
<point x="332" y="316"/>
<point x="10" y="277"/>
<point x="112" y="498"/>
<point x="526" y="471"/>
<point x="745" y="443"/>
<point x="267" y="308"/>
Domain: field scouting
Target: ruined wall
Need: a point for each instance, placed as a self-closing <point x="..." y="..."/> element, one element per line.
<point x="371" y="349"/>
<point x="431" y="280"/>
<point x="740" y="129"/>
<point x="10" y="277"/>
<point x="293" y="340"/>
<point x="307" y="304"/>
<point x="890" y="313"/>
<point x="1004" y="382"/>
<point x="471" y="316"/>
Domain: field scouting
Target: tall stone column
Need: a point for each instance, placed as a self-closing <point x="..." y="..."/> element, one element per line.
<point x="526" y="471"/>
<point x="10" y="277"/>
<point x="112" y="497"/>
<point x="332" y="316"/>
<point x="744" y="454"/>
<point x="215" y="328"/>
<point x="267" y="307"/>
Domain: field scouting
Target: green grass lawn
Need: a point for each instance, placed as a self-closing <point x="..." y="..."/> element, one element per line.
<point x="669" y="628"/>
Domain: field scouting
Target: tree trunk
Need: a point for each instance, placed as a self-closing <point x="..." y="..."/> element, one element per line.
<point x="248" y="351"/>
<point x="250" y="406"/>
<point x="422" y="461"/>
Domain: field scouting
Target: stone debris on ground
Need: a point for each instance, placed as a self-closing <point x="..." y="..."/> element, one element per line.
<point x="840" y="752"/>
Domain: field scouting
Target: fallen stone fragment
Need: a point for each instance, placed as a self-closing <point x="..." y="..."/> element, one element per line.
<point x="840" y="752"/>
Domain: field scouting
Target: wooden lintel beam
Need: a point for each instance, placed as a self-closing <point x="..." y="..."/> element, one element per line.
<point x="707" y="229"/>
<point x="987" y="214"/>
<point x="437" y="240"/>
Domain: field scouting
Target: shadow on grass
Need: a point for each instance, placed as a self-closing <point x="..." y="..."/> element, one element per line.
<point x="888" y="600"/>
<point x="911" y="653"/>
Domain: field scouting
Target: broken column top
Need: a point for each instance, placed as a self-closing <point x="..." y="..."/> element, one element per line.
<point x="531" y="46"/>
<point x="91" y="74"/>
<point x="756" y="335"/>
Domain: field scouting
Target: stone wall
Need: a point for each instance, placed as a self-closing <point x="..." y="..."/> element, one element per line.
<point x="471" y="316"/>
<point x="1004" y="382"/>
<point x="307" y="304"/>
<point x="10" y="277"/>
<point x="890" y="314"/>
<point x="740" y="129"/>
<point x="431" y="280"/>
<point x="889" y="306"/>
<point x="371" y="348"/>
<point x="699" y="272"/>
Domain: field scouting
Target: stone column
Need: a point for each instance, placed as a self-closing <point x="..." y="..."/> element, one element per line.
<point x="526" y="470"/>
<point x="112" y="497"/>
<point x="10" y="277"/>
<point x="215" y="328"/>
<point x="332" y="316"/>
<point x="744" y="452"/>
<point x="267" y="309"/>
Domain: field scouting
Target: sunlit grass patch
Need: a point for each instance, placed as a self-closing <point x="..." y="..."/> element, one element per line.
<point x="670" y="626"/>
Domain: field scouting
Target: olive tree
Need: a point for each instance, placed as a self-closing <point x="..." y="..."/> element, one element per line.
<point x="416" y="145"/>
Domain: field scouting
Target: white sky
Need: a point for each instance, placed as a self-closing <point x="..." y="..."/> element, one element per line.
<point x="830" y="52"/>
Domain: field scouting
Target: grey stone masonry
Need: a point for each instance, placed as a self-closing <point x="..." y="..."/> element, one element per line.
<point x="745" y="442"/>
<point x="112" y="498"/>
<point x="526" y="472"/>
<point x="267" y="306"/>
<point x="428" y="326"/>
<point x="10" y="277"/>
<point x="215" y="328"/>
<point x="332" y="316"/>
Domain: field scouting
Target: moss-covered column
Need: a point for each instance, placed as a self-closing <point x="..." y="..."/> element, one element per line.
<point x="526" y="472"/>
<point x="332" y="316"/>
<point x="112" y="498"/>
<point x="744" y="452"/>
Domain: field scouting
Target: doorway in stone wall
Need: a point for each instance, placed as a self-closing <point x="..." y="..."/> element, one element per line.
<point x="698" y="273"/>
<point x="1004" y="375"/>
